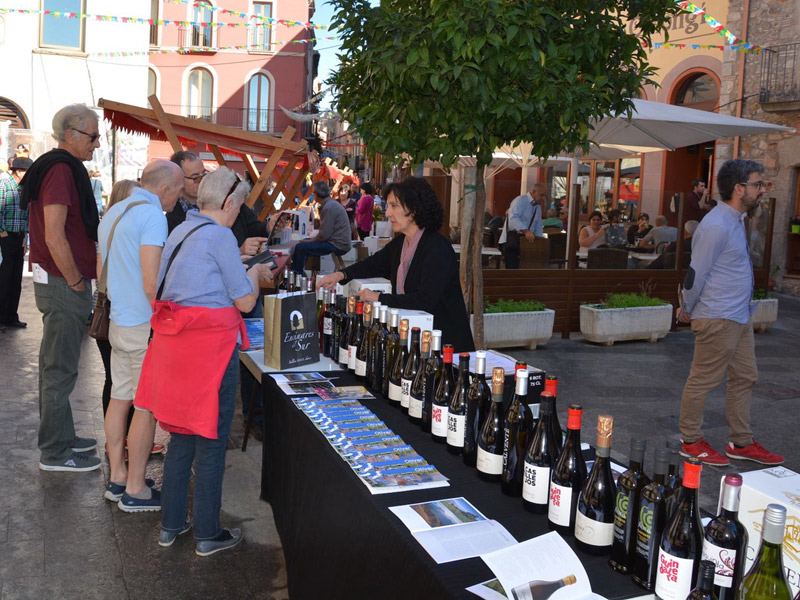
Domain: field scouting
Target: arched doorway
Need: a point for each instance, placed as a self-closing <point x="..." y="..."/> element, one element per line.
<point x="697" y="89"/>
<point x="9" y="111"/>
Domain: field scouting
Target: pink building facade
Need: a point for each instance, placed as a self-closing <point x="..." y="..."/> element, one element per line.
<point x="240" y="75"/>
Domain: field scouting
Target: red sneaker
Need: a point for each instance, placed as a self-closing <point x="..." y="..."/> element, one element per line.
<point x="702" y="450"/>
<point x="755" y="452"/>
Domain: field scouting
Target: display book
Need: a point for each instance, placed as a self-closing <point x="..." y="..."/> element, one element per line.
<point x="379" y="457"/>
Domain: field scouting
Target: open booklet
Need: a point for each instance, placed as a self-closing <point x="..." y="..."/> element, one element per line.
<point x="452" y="529"/>
<point x="541" y="568"/>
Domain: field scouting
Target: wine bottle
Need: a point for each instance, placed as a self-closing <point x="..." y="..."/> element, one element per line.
<point x="441" y="399"/>
<point x="725" y="541"/>
<point x="766" y="579"/>
<point x="652" y="520"/>
<point x="478" y="398"/>
<point x="673" y="474"/>
<point x="410" y="369"/>
<point x="356" y="335"/>
<point x="416" y="397"/>
<point x="390" y="348"/>
<point x="682" y="543"/>
<point x="327" y="322"/>
<point x="373" y="333"/>
<point x="567" y="477"/>
<point x="551" y="385"/>
<point x="339" y="325"/>
<point x="400" y="357"/>
<point x="704" y="589"/>
<point x="490" y="441"/>
<point x="377" y="365"/>
<point x="626" y="510"/>
<point x="361" y="349"/>
<point x="285" y="283"/>
<point x="594" y="519"/>
<point x="517" y="428"/>
<point x="541" y="590"/>
<point x="321" y="306"/>
<point x="290" y="282"/>
<point x="540" y="458"/>
<point x="347" y="330"/>
<point x="433" y="371"/>
<point x="457" y="411"/>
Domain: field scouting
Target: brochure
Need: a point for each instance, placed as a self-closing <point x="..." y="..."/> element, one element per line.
<point x="255" y="333"/>
<point x="297" y="388"/>
<point x="358" y="392"/>
<point x="453" y="529"/>
<point x="489" y="590"/>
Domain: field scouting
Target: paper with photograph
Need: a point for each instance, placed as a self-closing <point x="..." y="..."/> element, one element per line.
<point x="489" y="590"/>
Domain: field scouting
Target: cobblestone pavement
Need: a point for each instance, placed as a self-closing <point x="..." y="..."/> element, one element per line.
<point x="60" y="539"/>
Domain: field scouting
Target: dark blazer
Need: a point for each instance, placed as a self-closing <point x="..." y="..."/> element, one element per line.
<point x="246" y="224"/>
<point x="431" y="285"/>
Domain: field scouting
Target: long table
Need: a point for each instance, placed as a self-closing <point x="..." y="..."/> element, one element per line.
<point x="342" y="542"/>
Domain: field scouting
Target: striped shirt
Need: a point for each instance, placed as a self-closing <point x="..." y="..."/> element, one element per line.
<point x="12" y="217"/>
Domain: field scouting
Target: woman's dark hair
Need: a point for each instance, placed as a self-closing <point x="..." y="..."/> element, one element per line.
<point x="596" y="213"/>
<point x="418" y="198"/>
<point x="367" y="187"/>
<point x="612" y="214"/>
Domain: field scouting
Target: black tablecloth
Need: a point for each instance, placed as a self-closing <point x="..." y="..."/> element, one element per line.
<point x="340" y="541"/>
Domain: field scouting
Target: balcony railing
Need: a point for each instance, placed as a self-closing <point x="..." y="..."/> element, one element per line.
<point x="780" y="74"/>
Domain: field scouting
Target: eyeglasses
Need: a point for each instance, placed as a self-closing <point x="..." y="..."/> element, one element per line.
<point x="93" y="137"/>
<point x="233" y="188"/>
<point x="759" y="184"/>
<point x="196" y="178"/>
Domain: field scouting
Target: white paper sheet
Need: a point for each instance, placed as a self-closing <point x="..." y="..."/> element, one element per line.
<point x="486" y="590"/>
<point x="446" y="544"/>
<point x="543" y="558"/>
<point x="438" y="513"/>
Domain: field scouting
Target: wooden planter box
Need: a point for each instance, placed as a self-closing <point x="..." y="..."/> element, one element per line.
<point x="609" y="325"/>
<point x="765" y="315"/>
<point x="517" y="329"/>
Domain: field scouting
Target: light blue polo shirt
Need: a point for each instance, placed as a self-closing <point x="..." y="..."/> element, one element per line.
<point x="143" y="225"/>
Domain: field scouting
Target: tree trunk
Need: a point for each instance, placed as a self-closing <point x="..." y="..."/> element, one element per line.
<point x="465" y="270"/>
<point x="477" y="260"/>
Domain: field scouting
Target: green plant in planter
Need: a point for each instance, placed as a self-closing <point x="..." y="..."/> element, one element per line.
<point x="630" y="300"/>
<point x="504" y="305"/>
<point x="760" y="294"/>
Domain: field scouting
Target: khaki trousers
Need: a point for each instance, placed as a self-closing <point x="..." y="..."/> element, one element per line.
<point x="721" y="346"/>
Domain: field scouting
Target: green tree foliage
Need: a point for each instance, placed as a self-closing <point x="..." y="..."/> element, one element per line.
<point x="441" y="78"/>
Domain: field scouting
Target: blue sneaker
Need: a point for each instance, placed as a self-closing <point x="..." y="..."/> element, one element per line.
<point x="130" y="504"/>
<point x="114" y="491"/>
<point x="165" y="538"/>
<point x="80" y="444"/>
<point x="227" y="539"/>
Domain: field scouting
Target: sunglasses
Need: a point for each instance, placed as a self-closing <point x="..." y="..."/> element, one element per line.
<point x="233" y="188"/>
<point x="93" y="137"/>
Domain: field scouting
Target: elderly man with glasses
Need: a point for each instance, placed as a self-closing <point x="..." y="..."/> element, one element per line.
<point x="716" y="299"/>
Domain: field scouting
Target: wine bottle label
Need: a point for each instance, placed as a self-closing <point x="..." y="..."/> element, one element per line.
<point x="644" y="530"/>
<point x="536" y="484"/>
<point x="593" y="532"/>
<point x="351" y="357"/>
<point x="674" y="576"/>
<point x="405" y="388"/>
<point x="395" y="392"/>
<point x="455" y="430"/>
<point x="414" y="407"/>
<point x="327" y="326"/>
<point x="439" y="421"/>
<point x="361" y="368"/>
<point x="343" y="356"/>
<point x="724" y="560"/>
<point x="536" y="409"/>
<point x="620" y="516"/>
<point x="560" y="504"/>
<point x="491" y="464"/>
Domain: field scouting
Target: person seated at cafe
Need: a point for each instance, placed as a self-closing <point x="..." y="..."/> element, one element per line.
<point x="420" y="263"/>
<point x="551" y="220"/>
<point x="666" y="260"/>
<point x="615" y="232"/>
<point x="639" y="229"/>
<point x="660" y="234"/>
<point x="334" y="234"/>
<point x="594" y="234"/>
<point x="563" y="215"/>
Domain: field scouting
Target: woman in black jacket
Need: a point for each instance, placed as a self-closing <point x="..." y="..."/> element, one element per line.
<point x="420" y="263"/>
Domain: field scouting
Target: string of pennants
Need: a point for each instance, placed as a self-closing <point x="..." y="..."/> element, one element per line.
<point x="735" y="42"/>
<point x="204" y="49"/>
<point x="733" y="47"/>
<point x="262" y="21"/>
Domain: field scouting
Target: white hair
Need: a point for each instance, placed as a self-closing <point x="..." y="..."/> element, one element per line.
<point x="72" y="116"/>
<point x="215" y="186"/>
<point x="690" y="226"/>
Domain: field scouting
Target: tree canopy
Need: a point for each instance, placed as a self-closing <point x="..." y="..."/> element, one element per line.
<point x="441" y="78"/>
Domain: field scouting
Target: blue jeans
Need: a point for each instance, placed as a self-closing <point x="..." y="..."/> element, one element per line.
<point x="209" y="460"/>
<point x="305" y="249"/>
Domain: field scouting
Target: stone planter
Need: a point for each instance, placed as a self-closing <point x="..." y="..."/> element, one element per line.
<point x="515" y="329"/>
<point x="609" y="325"/>
<point x="765" y="315"/>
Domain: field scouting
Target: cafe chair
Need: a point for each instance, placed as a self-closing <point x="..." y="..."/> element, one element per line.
<point x="669" y="260"/>
<point x="534" y="255"/>
<point x="558" y="248"/>
<point x="607" y="258"/>
<point x="661" y="247"/>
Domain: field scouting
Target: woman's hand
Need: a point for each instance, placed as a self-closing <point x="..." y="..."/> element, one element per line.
<point x="261" y="272"/>
<point x="368" y="295"/>
<point x="331" y="280"/>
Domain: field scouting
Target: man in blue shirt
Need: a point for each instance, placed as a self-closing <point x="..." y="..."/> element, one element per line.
<point x="133" y="256"/>
<point x="524" y="219"/>
<point x="716" y="299"/>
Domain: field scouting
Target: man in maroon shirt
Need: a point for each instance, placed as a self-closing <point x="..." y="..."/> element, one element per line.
<point x="696" y="202"/>
<point x="63" y="231"/>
